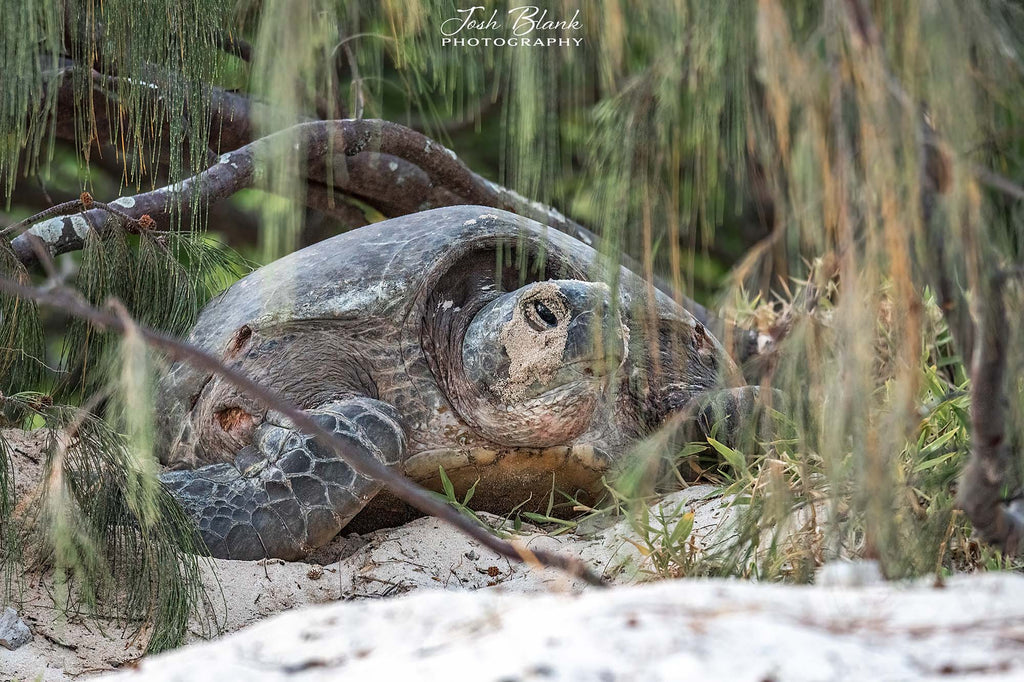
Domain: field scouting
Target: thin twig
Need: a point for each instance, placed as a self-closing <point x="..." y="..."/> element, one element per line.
<point x="380" y="36"/>
<point x="398" y="484"/>
<point x="66" y="208"/>
<point x="356" y="80"/>
<point x="84" y="203"/>
<point x="998" y="182"/>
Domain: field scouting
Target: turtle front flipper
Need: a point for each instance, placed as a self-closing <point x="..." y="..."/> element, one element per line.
<point x="288" y="493"/>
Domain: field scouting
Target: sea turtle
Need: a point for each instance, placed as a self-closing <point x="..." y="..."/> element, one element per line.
<point x="465" y="337"/>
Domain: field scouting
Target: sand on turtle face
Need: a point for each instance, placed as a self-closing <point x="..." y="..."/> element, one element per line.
<point x="534" y="356"/>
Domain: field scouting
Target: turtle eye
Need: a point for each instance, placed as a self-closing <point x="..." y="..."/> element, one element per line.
<point x="545" y="314"/>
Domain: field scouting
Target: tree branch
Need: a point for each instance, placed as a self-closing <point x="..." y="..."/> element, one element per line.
<point x="998" y="182"/>
<point x="386" y="164"/>
<point x="326" y="143"/>
<point x="399" y="485"/>
<point x="981" y="484"/>
<point x="448" y="182"/>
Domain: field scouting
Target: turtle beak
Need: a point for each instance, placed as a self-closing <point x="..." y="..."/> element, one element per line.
<point x="594" y="340"/>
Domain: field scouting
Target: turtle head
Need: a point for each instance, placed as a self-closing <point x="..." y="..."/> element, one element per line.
<point x="545" y="352"/>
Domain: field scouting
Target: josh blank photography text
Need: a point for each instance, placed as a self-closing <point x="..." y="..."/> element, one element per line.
<point x="526" y="26"/>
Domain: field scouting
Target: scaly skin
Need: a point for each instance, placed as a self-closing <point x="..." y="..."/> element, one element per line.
<point x="287" y="493"/>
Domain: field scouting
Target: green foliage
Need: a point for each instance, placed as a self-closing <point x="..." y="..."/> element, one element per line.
<point x="462" y="505"/>
<point x="104" y="535"/>
<point x="21" y="336"/>
<point x="8" y="533"/>
<point x="107" y="537"/>
<point x="666" y="542"/>
<point x="170" y="44"/>
<point x="25" y="97"/>
<point x="798" y="504"/>
<point x="161" y="280"/>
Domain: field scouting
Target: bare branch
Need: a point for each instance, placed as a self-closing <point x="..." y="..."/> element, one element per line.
<point x="387" y="182"/>
<point x="981" y="486"/>
<point x="64" y="208"/>
<point x="84" y="202"/>
<point x="374" y="160"/>
<point x="448" y="182"/>
<point x="234" y="128"/>
<point x="237" y="170"/>
<point x="998" y="182"/>
<point x="328" y="203"/>
<point x="68" y="302"/>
